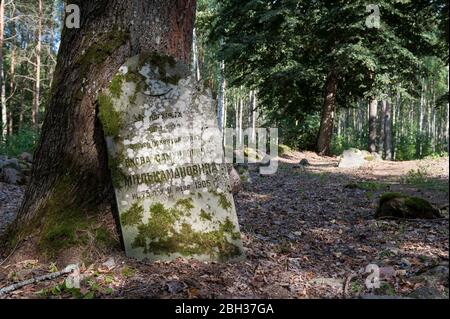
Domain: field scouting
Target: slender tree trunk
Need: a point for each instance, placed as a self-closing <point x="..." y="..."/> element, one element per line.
<point x="196" y="64"/>
<point x="254" y="117"/>
<point x="327" y="118"/>
<point x="373" y="106"/>
<point x="240" y="114"/>
<point x="388" y="131"/>
<point x="221" y="100"/>
<point x="382" y="141"/>
<point x="447" y="116"/>
<point x="12" y="72"/>
<point x="420" y="122"/>
<point x="37" y="66"/>
<point x="70" y="172"/>
<point x="2" y="73"/>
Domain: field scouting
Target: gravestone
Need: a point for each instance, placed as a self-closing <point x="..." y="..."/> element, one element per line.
<point x="166" y="160"/>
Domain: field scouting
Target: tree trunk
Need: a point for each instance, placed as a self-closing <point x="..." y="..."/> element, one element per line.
<point x="37" y="66"/>
<point x="70" y="174"/>
<point x="12" y="72"/>
<point x="240" y="113"/>
<point x="382" y="128"/>
<point x="222" y="96"/>
<point x="254" y="118"/>
<point x="196" y="64"/>
<point x="447" y="113"/>
<point x="420" y="122"/>
<point x="2" y="75"/>
<point x="388" y="131"/>
<point x="373" y="106"/>
<point x="327" y="118"/>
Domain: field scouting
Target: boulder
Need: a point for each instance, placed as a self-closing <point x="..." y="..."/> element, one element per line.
<point x="235" y="180"/>
<point x="304" y="162"/>
<point x="354" y="158"/>
<point x="10" y="176"/>
<point x="26" y="157"/>
<point x="396" y="205"/>
<point x="10" y="163"/>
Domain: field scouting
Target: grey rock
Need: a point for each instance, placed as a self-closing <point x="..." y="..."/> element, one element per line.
<point x="427" y="293"/>
<point x="235" y="180"/>
<point x="175" y="287"/>
<point x="27" y="157"/>
<point x="10" y="176"/>
<point x="354" y="158"/>
<point x="10" y="163"/>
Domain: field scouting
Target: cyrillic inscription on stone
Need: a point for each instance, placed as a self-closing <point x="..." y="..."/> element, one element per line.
<point x="166" y="160"/>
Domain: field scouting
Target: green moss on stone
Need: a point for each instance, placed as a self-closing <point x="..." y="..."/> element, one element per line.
<point x="205" y="215"/>
<point x="418" y="204"/>
<point x="186" y="204"/>
<point x="160" y="236"/>
<point x="389" y="196"/>
<point x="133" y="216"/>
<point x="223" y="200"/>
<point x="110" y="118"/>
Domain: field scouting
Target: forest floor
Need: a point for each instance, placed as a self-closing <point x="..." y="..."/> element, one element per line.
<point x="306" y="235"/>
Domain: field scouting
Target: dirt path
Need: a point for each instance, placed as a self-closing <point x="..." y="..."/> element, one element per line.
<point x="306" y="236"/>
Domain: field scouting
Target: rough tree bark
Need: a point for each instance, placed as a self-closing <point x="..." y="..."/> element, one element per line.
<point x="388" y="132"/>
<point x="381" y="147"/>
<point x="327" y="118"/>
<point x="2" y="75"/>
<point x="70" y="173"/>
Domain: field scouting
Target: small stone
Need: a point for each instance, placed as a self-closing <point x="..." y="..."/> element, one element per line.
<point x="175" y="287"/>
<point x="405" y="262"/>
<point x="110" y="263"/>
<point x="387" y="272"/>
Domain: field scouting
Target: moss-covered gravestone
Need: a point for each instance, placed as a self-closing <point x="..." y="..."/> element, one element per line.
<point x="166" y="160"/>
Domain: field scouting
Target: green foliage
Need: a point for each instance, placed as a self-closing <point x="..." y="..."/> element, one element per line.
<point x="22" y="141"/>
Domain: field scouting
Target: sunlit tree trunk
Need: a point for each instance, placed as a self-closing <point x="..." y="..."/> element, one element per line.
<point x="327" y="118"/>
<point x="222" y="97"/>
<point x="388" y="131"/>
<point x="382" y="128"/>
<point x="373" y="106"/>
<point x="37" y="66"/>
